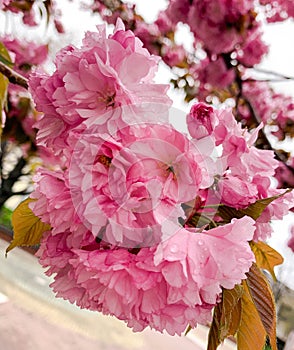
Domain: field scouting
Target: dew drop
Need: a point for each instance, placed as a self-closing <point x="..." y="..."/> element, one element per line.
<point x="200" y="242"/>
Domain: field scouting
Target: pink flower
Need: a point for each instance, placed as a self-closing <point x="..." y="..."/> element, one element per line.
<point x="236" y="193"/>
<point x="25" y="54"/>
<point x="253" y="50"/>
<point x="173" y="56"/>
<point x="149" y="34"/>
<point x="215" y="73"/>
<point x="166" y="289"/>
<point x="164" y="23"/>
<point x="135" y="183"/>
<point x="201" y="120"/>
<point x="178" y="10"/>
<point x="106" y="73"/>
<point x="215" y="23"/>
<point x="284" y="176"/>
<point x="53" y="200"/>
<point x="278" y="10"/>
<point x="205" y="258"/>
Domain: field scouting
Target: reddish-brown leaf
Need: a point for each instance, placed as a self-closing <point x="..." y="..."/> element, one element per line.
<point x="226" y="318"/>
<point x="251" y="334"/>
<point x="263" y="299"/>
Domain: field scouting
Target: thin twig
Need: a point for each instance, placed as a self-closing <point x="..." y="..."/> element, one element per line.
<point x="257" y="119"/>
<point x="13" y="76"/>
<point x="266" y="71"/>
<point x="281" y="80"/>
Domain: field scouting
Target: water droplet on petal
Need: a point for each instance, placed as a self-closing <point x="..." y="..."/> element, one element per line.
<point x="200" y="242"/>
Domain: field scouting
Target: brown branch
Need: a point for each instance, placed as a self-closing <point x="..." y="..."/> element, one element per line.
<point x="281" y="80"/>
<point x="279" y="156"/>
<point x="13" y="76"/>
<point x="257" y="120"/>
<point x="269" y="72"/>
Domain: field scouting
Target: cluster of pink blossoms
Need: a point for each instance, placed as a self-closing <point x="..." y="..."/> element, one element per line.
<point x="19" y="114"/>
<point x="30" y="11"/>
<point x="123" y="239"/>
<point x="25" y="54"/>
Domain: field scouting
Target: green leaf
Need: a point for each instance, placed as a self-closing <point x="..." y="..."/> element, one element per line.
<point x="27" y="227"/>
<point x="4" y="58"/>
<point x="266" y="257"/>
<point x="226" y="317"/>
<point x="4" y="55"/>
<point x="254" y="210"/>
<point x="3" y="97"/>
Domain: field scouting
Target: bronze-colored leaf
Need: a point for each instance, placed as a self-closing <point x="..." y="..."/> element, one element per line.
<point x="251" y="333"/>
<point x="226" y="317"/>
<point x="266" y="257"/>
<point x="263" y="299"/>
<point x="27" y="227"/>
<point x="231" y="311"/>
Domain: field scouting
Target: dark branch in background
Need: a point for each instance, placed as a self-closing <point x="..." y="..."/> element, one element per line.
<point x="268" y="72"/>
<point x="281" y="80"/>
<point x="279" y="156"/>
<point x="13" y="76"/>
<point x="7" y="184"/>
<point x="255" y="117"/>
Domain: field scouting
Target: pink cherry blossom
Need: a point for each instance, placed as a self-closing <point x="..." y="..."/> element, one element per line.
<point x="216" y="73"/>
<point x="134" y="182"/>
<point x="25" y="54"/>
<point x="166" y="289"/>
<point x="178" y="11"/>
<point x="173" y="56"/>
<point x="279" y="10"/>
<point x="237" y="193"/>
<point x="215" y="23"/>
<point x="105" y="73"/>
<point x="253" y="49"/>
<point x="201" y="120"/>
<point x="164" y="23"/>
